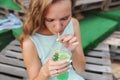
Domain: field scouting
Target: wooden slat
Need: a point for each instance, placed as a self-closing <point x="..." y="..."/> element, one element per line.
<point x="13" y="54"/>
<point x="117" y="32"/>
<point x="114" y="39"/>
<point x="117" y="51"/>
<point x="13" y="70"/>
<point x="6" y="77"/>
<point x="102" y="47"/>
<point x="115" y="58"/>
<point x="115" y="35"/>
<point x="98" y="68"/>
<point x="115" y="3"/>
<point x="94" y="76"/>
<point x="15" y="42"/>
<point x="11" y="61"/>
<point x="87" y="8"/>
<point x="13" y="47"/>
<point x="99" y="54"/>
<point x="81" y="2"/>
<point x="98" y="61"/>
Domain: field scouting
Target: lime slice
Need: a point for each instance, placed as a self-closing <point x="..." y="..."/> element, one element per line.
<point x="63" y="56"/>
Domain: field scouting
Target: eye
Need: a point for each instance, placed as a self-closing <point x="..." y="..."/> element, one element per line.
<point x="49" y="20"/>
<point x="65" y="18"/>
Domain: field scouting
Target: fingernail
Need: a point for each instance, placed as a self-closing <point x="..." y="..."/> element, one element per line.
<point x="75" y="43"/>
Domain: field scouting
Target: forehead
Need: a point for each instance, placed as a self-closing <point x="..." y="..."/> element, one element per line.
<point x="59" y="9"/>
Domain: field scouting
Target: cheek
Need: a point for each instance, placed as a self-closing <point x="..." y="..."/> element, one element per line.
<point x="49" y="25"/>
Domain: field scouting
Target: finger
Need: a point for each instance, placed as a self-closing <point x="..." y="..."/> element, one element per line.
<point x="58" y="65"/>
<point x="74" y="39"/>
<point x="75" y="43"/>
<point x="60" y="71"/>
<point x="65" y="38"/>
<point x="62" y="66"/>
<point x="54" y="73"/>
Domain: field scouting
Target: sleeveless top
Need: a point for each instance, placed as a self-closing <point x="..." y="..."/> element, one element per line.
<point x="43" y="43"/>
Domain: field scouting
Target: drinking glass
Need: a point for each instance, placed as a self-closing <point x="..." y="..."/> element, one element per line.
<point x="63" y="54"/>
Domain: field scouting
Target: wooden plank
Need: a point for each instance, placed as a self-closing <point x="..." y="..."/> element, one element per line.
<point x="6" y="77"/>
<point x="98" y="68"/>
<point x="115" y="58"/>
<point x="102" y="47"/>
<point x="117" y="32"/>
<point x="13" y="54"/>
<point x="115" y="3"/>
<point x="86" y="8"/>
<point x="99" y="54"/>
<point x="108" y="76"/>
<point x="95" y="76"/>
<point x="115" y="36"/>
<point x="17" y="71"/>
<point x="11" y="61"/>
<point x="99" y="61"/>
<point x="13" y="47"/>
<point x="81" y="2"/>
<point x="114" y="39"/>
<point x="15" y="42"/>
<point x="116" y="51"/>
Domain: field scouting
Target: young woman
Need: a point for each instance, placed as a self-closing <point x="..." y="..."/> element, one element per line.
<point x="44" y="21"/>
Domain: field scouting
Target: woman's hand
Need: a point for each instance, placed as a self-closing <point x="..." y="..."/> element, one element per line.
<point x="69" y="41"/>
<point x="55" y="68"/>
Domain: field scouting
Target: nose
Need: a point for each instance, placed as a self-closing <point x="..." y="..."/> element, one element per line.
<point x="58" y="26"/>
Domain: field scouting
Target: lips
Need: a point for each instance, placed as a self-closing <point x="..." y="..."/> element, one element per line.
<point x="60" y="32"/>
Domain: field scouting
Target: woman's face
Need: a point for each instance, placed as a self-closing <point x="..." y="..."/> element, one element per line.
<point x="58" y="16"/>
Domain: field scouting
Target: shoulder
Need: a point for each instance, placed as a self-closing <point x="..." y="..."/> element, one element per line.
<point x="76" y="25"/>
<point x="27" y="43"/>
<point x="75" y="22"/>
<point x="28" y="47"/>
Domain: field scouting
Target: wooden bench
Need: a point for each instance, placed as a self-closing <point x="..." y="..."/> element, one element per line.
<point x="98" y="64"/>
<point x="11" y="63"/>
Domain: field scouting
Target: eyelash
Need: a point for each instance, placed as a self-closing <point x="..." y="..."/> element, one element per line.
<point x="65" y="18"/>
<point x="60" y="19"/>
<point x="49" y="20"/>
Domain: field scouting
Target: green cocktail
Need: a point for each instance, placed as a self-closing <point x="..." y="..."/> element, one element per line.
<point x="62" y="55"/>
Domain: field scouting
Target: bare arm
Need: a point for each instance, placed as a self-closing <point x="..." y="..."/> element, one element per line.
<point x="78" y="55"/>
<point x="32" y="61"/>
<point x="33" y="64"/>
<point x="73" y="43"/>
